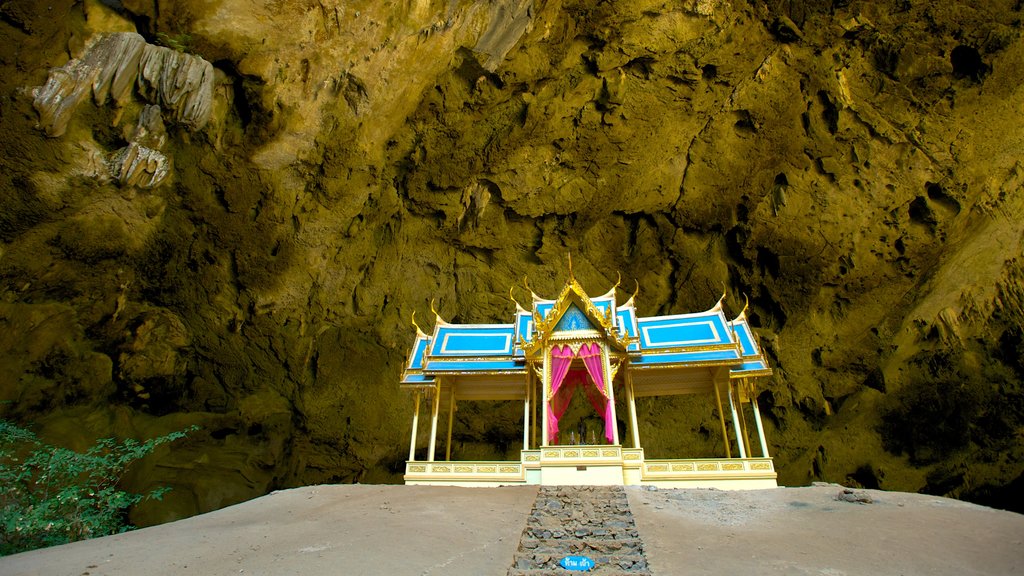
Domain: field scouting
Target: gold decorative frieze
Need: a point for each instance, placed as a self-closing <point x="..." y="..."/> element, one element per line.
<point x="760" y="466"/>
<point x="417" y="468"/>
<point x="707" y="466"/>
<point x="609" y="453"/>
<point x="508" y="469"/>
<point x="486" y="469"/>
<point x="688" y="467"/>
<point x="441" y="468"/>
<point x="657" y="467"/>
<point x="463" y="469"/>
<point x="630" y="456"/>
<point x="571" y="454"/>
<point x="591" y="454"/>
<point x="732" y="466"/>
<point x="532" y="458"/>
<point x="551" y="454"/>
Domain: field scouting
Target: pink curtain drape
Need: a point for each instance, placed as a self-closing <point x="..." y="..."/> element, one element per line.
<point x="591" y="354"/>
<point x="564" y="383"/>
<point x="561" y="359"/>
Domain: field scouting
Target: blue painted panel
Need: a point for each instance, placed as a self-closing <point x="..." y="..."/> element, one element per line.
<point x="746" y="339"/>
<point x="416" y="379"/>
<point x="573" y="319"/>
<point x="700" y="330"/>
<point x="473" y="341"/>
<point x="603" y="305"/>
<point x="750" y="367"/>
<point x="626" y="322"/>
<point x="417" y="352"/>
<point x="524" y="327"/>
<point x="544" y="308"/>
<point x="467" y="366"/>
<point x="684" y="357"/>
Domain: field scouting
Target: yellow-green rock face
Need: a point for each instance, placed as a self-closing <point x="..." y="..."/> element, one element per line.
<point x="244" y="250"/>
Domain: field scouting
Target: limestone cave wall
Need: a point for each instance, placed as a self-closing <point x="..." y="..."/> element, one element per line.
<point x="224" y="213"/>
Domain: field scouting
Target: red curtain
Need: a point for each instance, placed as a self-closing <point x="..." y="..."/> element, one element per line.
<point x="591" y="354"/>
<point x="564" y="383"/>
<point x="561" y="359"/>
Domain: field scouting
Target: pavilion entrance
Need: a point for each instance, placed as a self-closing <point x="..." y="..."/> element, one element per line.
<point x="566" y="361"/>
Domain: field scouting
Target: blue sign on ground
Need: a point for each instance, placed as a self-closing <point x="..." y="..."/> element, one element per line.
<point x="581" y="563"/>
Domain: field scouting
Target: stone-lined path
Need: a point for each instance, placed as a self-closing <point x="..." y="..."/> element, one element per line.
<point x="591" y="521"/>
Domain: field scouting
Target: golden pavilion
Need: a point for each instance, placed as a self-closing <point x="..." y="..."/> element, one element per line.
<point x="605" y="351"/>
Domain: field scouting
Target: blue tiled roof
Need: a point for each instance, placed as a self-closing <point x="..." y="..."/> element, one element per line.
<point x="699" y="339"/>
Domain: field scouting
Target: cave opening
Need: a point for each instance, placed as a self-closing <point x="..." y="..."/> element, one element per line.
<point x="967" y="63"/>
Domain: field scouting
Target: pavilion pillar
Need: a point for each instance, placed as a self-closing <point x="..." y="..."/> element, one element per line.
<point x="760" y="428"/>
<point x="631" y="396"/>
<point x="743" y="418"/>
<point x="531" y="379"/>
<point x="526" y="413"/>
<point x="433" y="422"/>
<point x="611" y="395"/>
<point x="451" y="417"/>
<point x="736" y="422"/>
<point x="415" y="424"/>
<point x="721" y="419"/>
<point x="544" y="404"/>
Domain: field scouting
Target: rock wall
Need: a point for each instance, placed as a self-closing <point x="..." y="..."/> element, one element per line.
<point x="851" y="167"/>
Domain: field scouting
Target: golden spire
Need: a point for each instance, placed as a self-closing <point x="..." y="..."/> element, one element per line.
<point x="436" y="315"/>
<point x="571" y="277"/>
<point x="526" y="282"/>
<point x="417" y="326"/>
<point x="513" y="299"/>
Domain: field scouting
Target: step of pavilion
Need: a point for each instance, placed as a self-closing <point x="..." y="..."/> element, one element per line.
<point x="591" y="521"/>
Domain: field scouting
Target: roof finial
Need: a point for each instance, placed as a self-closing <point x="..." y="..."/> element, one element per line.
<point x="571" y="277"/>
<point x="436" y="315"/>
<point x="513" y="299"/>
<point x="746" y="304"/>
<point x="618" y="280"/>
<point x="417" y="326"/>
<point x="637" y="291"/>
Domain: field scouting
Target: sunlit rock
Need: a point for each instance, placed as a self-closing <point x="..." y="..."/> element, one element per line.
<point x="111" y="66"/>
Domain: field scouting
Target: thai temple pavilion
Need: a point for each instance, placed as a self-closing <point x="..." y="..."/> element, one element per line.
<point x="604" y="351"/>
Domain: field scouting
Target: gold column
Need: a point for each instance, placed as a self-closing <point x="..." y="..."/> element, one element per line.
<point x="433" y="422"/>
<point x="451" y="417"/>
<point x="532" y="383"/>
<point x="735" y="421"/>
<point x="631" y="395"/>
<point x="606" y="365"/>
<point x="760" y="427"/>
<point x="743" y="417"/>
<point x="544" y="407"/>
<point x="526" y="413"/>
<point x="721" y="418"/>
<point x="415" y="424"/>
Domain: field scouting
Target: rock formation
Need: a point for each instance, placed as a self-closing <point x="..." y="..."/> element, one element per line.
<point x="852" y="167"/>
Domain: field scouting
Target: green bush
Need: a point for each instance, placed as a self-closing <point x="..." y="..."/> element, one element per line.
<point x="51" y="495"/>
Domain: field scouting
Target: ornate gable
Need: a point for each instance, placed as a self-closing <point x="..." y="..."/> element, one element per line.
<point x="573" y="315"/>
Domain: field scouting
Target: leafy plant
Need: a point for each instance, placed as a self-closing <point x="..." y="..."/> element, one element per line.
<point x="178" y="42"/>
<point x="51" y="495"/>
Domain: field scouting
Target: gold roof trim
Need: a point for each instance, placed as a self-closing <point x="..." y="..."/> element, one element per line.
<point x="439" y="321"/>
<point x="419" y="331"/>
<point x="572" y="292"/>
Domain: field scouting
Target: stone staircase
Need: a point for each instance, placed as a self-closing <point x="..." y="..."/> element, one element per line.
<point x="591" y="521"/>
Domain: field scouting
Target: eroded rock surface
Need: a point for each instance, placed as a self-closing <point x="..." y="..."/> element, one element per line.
<point x="853" y="168"/>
